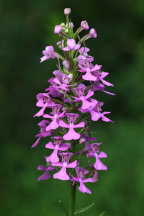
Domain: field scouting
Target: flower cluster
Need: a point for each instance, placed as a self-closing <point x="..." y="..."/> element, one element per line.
<point x="68" y="107"/>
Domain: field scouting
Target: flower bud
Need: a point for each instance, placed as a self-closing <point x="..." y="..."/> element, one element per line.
<point x="84" y="25"/>
<point x="67" y="11"/>
<point x="71" y="24"/>
<point x="82" y="140"/>
<point x="66" y="30"/>
<point x="93" y="33"/>
<point x="58" y="29"/>
<point x="70" y="76"/>
<point x="60" y="44"/>
<point x="62" y="24"/>
<point x="66" y="64"/>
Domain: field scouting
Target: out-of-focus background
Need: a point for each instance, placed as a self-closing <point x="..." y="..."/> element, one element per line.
<point x="26" y="27"/>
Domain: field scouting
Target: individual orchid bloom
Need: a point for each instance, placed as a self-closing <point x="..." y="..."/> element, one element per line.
<point x="44" y="101"/>
<point x="71" y="45"/>
<point x="53" y="90"/>
<point x="71" y="134"/>
<point x="56" y="146"/>
<point x="66" y="64"/>
<point x="48" y="53"/>
<point x="62" y="174"/>
<point x="84" y="59"/>
<point x="94" y="152"/>
<point x="101" y="75"/>
<point x="95" y="111"/>
<point x="84" y="25"/>
<point x="71" y="25"/>
<point x="80" y="91"/>
<point x="46" y="174"/>
<point x="89" y="76"/>
<point x="67" y="11"/>
<point x="58" y="29"/>
<point x="63" y="83"/>
<point x="100" y="87"/>
<point x="85" y="140"/>
<point x="80" y="178"/>
<point x="43" y="132"/>
<point x="93" y="33"/>
<point x="55" y="116"/>
<point x="84" y="51"/>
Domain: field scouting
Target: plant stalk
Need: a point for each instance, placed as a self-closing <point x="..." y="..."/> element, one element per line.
<point x="72" y="197"/>
<point x="72" y="200"/>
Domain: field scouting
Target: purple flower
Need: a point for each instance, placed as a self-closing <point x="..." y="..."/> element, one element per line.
<point x="48" y="53"/>
<point x="84" y="51"/>
<point x="94" y="152"/>
<point x="100" y="87"/>
<point x="85" y="59"/>
<point x="44" y="101"/>
<point x="63" y="82"/>
<point x="71" y="134"/>
<point x="55" y="116"/>
<point x="67" y="11"/>
<point x="68" y="104"/>
<point x="62" y="174"/>
<point x="66" y="64"/>
<point x="85" y="139"/>
<point x="57" y="146"/>
<point x="80" y="91"/>
<point x="84" y="25"/>
<point x="58" y="29"/>
<point x="93" y="33"/>
<point x="46" y="174"/>
<point x="95" y="111"/>
<point x="101" y="75"/>
<point x="71" y="45"/>
<point x="80" y="178"/>
<point x="71" y="24"/>
<point x="89" y="76"/>
<point x="43" y="132"/>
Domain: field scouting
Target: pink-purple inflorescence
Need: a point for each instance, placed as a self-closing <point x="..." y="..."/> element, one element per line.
<point x="68" y="107"/>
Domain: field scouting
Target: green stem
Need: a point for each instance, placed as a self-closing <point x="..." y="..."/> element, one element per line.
<point x="72" y="189"/>
<point x="72" y="200"/>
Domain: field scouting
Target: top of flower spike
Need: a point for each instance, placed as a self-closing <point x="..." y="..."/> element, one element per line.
<point x="67" y="11"/>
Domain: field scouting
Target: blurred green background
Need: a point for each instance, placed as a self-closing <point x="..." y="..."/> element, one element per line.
<point x="26" y="27"/>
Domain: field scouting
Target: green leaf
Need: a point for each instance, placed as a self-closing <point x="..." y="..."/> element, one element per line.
<point x="102" y="214"/>
<point x="82" y="210"/>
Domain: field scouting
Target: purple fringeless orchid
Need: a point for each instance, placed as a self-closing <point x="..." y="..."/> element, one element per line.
<point x="69" y="106"/>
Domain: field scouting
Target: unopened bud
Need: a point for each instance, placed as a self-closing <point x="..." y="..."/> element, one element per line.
<point x="93" y="33"/>
<point x="58" y="29"/>
<point x="82" y="140"/>
<point x="67" y="11"/>
<point x="84" y="25"/>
